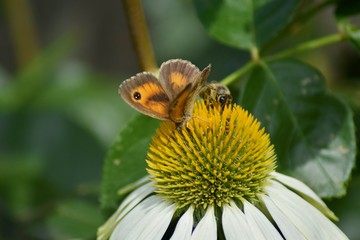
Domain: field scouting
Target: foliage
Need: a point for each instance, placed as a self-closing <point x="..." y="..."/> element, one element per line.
<point x="55" y="123"/>
<point x="312" y="128"/>
<point x="58" y="118"/>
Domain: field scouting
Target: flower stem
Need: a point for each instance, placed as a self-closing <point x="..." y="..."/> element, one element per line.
<point x="330" y="39"/>
<point x="23" y="30"/>
<point x="140" y="35"/>
<point x="238" y="73"/>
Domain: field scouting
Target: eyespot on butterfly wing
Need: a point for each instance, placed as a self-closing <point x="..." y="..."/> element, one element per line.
<point x="144" y="93"/>
<point x="172" y="96"/>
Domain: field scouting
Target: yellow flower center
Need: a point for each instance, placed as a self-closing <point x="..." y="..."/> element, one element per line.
<point x="217" y="156"/>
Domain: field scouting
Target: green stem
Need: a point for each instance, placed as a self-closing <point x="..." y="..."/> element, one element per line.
<point x="140" y="35"/>
<point x="330" y="39"/>
<point x="321" y="42"/>
<point x="238" y="73"/>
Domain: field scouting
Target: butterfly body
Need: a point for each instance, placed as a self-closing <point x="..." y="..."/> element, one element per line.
<point x="169" y="97"/>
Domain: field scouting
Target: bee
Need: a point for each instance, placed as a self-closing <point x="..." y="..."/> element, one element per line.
<point x="216" y="95"/>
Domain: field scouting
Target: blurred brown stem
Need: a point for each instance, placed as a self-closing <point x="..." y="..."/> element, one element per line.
<point x="23" y="30"/>
<point x="139" y="34"/>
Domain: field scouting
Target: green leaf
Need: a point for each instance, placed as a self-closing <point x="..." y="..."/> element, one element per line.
<point x="347" y="8"/>
<point x="244" y="24"/>
<point x="271" y="18"/>
<point x="348" y="208"/>
<point x="75" y="219"/>
<point x="89" y="98"/>
<point x="34" y="79"/>
<point x="312" y="130"/>
<point x="125" y="161"/>
<point x="354" y="35"/>
<point x="20" y="176"/>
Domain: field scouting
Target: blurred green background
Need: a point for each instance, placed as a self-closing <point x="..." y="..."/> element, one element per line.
<point x="60" y="66"/>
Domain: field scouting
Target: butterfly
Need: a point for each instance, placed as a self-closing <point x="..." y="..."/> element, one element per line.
<point x="216" y="95"/>
<point x="169" y="97"/>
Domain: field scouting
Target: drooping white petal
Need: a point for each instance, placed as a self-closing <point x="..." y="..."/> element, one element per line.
<point x="306" y="191"/>
<point x="297" y="214"/>
<point x="312" y="223"/>
<point x="287" y="227"/>
<point x="129" y="203"/>
<point x="148" y="220"/>
<point x="184" y="226"/>
<point x="135" y="185"/>
<point x="127" y="223"/>
<point x="260" y="225"/>
<point x="134" y="198"/>
<point x="297" y="185"/>
<point x="159" y="219"/>
<point x="206" y="228"/>
<point x="234" y="223"/>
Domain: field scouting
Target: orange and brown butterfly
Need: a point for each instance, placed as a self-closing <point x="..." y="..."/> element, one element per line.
<point x="216" y="95"/>
<point x="169" y="97"/>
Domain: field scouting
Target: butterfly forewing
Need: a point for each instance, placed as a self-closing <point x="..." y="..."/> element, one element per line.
<point x="176" y="75"/>
<point x="144" y="93"/>
<point x="172" y="96"/>
<point x="182" y="106"/>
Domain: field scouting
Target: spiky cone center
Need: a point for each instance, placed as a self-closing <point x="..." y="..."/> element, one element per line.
<point x="217" y="156"/>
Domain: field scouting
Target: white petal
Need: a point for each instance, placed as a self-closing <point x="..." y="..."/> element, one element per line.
<point x="130" y="202"/>
<point x="297" y="185"/>
<point x="306" y="191"/>
<point x="135" y="185"/>
<point x="312" y="223"/>
<point x="297" y="214"/>
<point x="260" y="225"/>
<point x="206" y="228"/>
<point x="160" y="219"/>
<point x="234" y="223"/>
<point x="148" y="220"/>
<point x="287" y="227"/>
<point x="184" y="226"/>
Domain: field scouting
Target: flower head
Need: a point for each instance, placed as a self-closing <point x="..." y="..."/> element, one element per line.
<point x="215" y="178"/>
<point x="218" y="157"/>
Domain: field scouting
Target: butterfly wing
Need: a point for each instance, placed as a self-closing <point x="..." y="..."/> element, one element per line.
<point x="182" y="106"/>
<point x="144" y="93"/>
<point x="175" y="75"/>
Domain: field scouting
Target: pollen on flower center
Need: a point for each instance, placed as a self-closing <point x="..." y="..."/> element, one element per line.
<point x="216" y="157"/>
